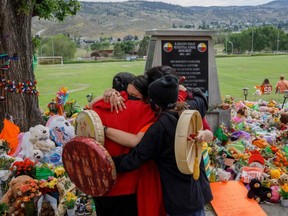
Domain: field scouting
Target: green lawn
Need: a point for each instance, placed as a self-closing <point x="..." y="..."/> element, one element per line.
<point x="234" y="73"/>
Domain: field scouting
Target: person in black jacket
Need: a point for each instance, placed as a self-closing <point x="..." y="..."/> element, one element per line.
<point x="183" y="196"/>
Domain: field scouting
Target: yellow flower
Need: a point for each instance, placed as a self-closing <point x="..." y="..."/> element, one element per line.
<point x="59" y="171"/>
<point x="285" y="187"/>
<point x="70" y="200"/>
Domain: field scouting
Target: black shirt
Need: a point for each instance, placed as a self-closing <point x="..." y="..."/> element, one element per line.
<point x="182" y="194"/>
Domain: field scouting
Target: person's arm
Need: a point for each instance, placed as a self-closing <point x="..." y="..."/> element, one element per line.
<point x="95" y="100"/>
<point x="123" y="138"/>
<point x="143" y="152"/>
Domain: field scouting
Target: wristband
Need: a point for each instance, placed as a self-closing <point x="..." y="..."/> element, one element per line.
<point x="105" y="129"/>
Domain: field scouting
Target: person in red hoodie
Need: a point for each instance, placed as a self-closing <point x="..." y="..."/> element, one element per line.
<point x="150" y="202"/>
<point x="121" y="200"/>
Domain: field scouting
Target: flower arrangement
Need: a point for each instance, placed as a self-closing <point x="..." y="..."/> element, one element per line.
<point x="4" y="146"/>
<point x="48" y="186"/>
<point x="29" y="190"/>
<point x="59" y="171"/>
<point x="23" y="167"/>
<point x="284" y="191"/>
<point x="70" y="200"/>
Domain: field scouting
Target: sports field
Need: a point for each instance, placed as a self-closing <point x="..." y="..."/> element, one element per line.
<point x="234" y="74"/>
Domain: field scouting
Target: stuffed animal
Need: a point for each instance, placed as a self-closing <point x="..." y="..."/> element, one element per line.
<point x="37" y="155"/>
<point x="274" y="186"/>
<point x="40" y="138"/>
<point x="36" y="138"/>
<point x="61" y="130"/>
<point x="258" y="192"/>
<point x="223" y="175"/>
<point x="11" y="197"/>
<point x="283" y="179"/>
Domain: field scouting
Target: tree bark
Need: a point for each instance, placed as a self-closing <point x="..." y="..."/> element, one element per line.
<point x="15" y="37"/>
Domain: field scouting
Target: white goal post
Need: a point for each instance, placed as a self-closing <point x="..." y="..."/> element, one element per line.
<point x="50" y="60"/>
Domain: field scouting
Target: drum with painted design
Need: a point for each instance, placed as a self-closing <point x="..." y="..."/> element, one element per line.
<point x="188" y="151"/>
<point x="89" y="166"/>
<point x="89" y="124"/>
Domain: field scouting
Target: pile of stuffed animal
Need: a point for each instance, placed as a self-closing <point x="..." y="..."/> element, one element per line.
<point x="253" y="149"/>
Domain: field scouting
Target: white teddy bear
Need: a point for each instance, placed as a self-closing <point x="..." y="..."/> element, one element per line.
<point x="61" y="130"/>
<point x="36" y="138"/>
<point x="37" y="155"/>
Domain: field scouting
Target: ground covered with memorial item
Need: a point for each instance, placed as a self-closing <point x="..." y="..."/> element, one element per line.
<point x="251" y="150"/>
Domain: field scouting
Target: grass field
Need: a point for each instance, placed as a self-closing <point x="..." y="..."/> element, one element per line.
<point x="234" y="74"/>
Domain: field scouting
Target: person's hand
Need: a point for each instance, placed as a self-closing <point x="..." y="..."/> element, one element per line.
<point x="117" y="102"/>
<point x="204" y="136"/>
<point x="108" y="93"/>
<point x="182" y="88"/>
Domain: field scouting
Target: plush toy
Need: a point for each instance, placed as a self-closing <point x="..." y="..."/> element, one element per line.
<point x="37" y="155"/>
<point x="10" y="197"/>
<point x="255" y="169"/>
<point x="36" y="138"/>
<point x="40" y="138"/>
<point x="274" y="186"/>
<point x="275" y="174"/>
<point x="242" y="113"/>
<point x="223" y="175"/>
<point x="258" y="192"/>
<point x="283" y="179"/>
<point x="61" y="130"/>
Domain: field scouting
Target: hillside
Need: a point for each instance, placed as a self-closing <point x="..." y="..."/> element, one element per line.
<point x="98" y="19"/>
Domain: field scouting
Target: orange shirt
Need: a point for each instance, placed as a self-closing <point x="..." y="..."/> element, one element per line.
<point x="282" y="85"/>
<point x="266" y="89"/>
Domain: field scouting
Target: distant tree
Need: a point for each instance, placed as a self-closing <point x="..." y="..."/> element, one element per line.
<point x="100" y="45"/>
<point x="143" y="46"/>
<point x="15" y="37"/>
<point x="59" y="45"/>
<point x="127" y="46"/>
<point x="118" y="51"/>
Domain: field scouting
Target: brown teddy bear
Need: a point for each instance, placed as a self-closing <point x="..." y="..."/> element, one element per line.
<point x="283" y="179"/>
<point x="11" y="197"/>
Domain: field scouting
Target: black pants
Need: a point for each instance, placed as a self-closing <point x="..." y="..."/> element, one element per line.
<point x="125" y="205"/>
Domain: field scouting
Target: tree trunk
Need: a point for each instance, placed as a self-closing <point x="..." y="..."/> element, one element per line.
<point x="15" y="37"/>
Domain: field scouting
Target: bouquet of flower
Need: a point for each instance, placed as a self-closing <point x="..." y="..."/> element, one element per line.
<point x="29" y="190"/>
<point x="59" y="171"/>
<point x="23" y="167"/>
<point x="4" y="146"/>
<point x="70" y="200"/>
<point x="284" y="191"/>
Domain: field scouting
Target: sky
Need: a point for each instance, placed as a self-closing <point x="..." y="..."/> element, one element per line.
<point x="201" y="2"/>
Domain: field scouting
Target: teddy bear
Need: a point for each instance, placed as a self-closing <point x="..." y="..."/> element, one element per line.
<point x="11" y="197"/>
<point x="37" y="155"/>
<point x="258" y="192"/>
<point x="40" y="138"/>
<point x="223" y="175"/>
<point x="274" y="186"/>
<point x="283" y="179"/>
<point x="36" y="138"/>
<point x="61" y="130"/>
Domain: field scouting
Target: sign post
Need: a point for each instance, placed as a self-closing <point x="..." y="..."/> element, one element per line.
<point x="192" y="55"/>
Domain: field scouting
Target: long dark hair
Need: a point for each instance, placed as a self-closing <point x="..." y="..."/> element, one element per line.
<point x="121" y="81"/>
